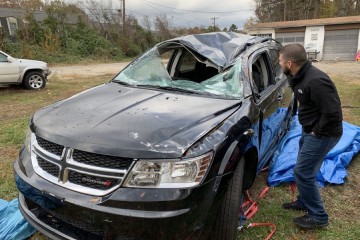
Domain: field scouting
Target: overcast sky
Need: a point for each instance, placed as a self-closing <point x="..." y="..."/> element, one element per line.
<point x="190" y="13"/>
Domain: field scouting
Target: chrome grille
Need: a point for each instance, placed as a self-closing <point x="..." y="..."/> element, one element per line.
<point x="48" y="167"/>
<point x="85" y="172"/>
<point x="49" y="146"/>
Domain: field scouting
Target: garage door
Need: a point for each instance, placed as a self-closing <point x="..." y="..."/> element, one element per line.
<point x="287" y="38"/>
<point x="340" y="44"/>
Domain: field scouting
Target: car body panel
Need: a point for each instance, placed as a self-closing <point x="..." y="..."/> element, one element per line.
<point x="15" y="71"/>
<point x="9" y="71"/>
<point x="145" y="123"/>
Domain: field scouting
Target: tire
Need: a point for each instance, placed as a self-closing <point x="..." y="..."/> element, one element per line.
<point x="34" y="81"/>
<point x="227" y="220"/>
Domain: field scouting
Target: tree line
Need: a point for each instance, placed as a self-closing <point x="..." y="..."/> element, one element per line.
<point x="290" y="10"/>
<point x="90" y="30"/>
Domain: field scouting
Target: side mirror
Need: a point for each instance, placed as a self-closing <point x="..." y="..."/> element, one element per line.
<point x="10" y="59"/>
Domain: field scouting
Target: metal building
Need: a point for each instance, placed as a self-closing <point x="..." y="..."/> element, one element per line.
<point x="331" y="38"/>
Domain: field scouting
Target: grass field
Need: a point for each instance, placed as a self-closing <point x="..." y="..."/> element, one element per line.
<point x="342" y="202"/>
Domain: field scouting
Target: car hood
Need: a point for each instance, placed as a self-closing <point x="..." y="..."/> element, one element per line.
<point x="28" y="62"/>
<point x="131" y="122"/>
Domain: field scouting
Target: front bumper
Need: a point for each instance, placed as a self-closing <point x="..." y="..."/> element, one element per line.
<point x="47" y="73"/>
<point x="126" y="213"/>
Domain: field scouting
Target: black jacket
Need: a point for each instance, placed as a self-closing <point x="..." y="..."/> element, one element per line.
<point x="320" y="107"/>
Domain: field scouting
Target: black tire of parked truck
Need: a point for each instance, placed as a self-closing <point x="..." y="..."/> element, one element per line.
<point x="227" y="220"/>
<point x="34" y="81"/>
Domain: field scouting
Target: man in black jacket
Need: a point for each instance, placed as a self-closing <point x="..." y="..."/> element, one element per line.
<point x="321" y="118"/>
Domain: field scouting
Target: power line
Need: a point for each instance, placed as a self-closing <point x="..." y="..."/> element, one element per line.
<point x="146" y="15"/>
<point x="197" y="11"/>
<point x="172" y="16"/>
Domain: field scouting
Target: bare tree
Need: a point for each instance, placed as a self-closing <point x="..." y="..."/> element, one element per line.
<point x="316" y="8"/>
<point x="146" y="21"/>
<point x="31" y="5"/>
<point x="162" y="26"/>
<point x="250" y="22"/>
<point x="103" y="16"/>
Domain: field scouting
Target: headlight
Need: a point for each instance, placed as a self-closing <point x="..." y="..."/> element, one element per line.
<point x="169" y="174"/>
<point x="28" y="140"/>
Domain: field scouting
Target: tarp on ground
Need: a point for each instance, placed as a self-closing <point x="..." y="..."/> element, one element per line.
<point x="333" y="169"/>
<point x="13" y="225"/>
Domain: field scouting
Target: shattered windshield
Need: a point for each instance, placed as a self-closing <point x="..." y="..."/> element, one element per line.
<point x="150" y="71"/>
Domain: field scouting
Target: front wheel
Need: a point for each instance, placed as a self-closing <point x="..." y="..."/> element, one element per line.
<point x="227" y="219"/>
<point x="34" y="81"/>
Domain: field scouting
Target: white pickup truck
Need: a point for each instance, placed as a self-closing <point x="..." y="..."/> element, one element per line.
<point x="29" y="73"/>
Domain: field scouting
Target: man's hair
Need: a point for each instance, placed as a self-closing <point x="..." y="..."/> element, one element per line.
<point x="295" y="53"/>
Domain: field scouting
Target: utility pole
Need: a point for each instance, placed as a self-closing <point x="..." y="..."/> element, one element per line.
<point x="214" y="18"/>
<point x="122" y="2"/>
<point x="285" y="7"/>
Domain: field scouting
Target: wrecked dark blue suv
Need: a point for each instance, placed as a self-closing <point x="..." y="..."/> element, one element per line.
<point x="164" y="150"/>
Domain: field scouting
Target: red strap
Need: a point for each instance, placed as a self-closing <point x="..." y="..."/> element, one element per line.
<point x="264" y="191"/>
<point x="252" y="209"/>
<point x="293" y="191"/>
<point x="249" y="213"/>
<point x="271" y="225"/>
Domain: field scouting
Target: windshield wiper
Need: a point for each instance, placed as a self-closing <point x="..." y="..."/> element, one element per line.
<point x="122" y="83"/>
<point x="179" y="89"/>
<point x="168" y="88"/>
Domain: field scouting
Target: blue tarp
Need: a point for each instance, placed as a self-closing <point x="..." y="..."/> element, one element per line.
<point x="13" y="226"/>
<point x="333" y="169"/>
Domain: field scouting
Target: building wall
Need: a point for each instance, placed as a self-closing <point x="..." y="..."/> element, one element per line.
<point x="262" y="31"/>
<point x="341" y="45"/>
<point x="288" y="38"/>
<point x="314" y="40"/>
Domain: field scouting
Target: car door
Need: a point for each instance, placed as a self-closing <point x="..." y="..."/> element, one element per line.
<point x="269" y="94"/>
<point x="286" y="95"/>
<point x="9" y="72"/>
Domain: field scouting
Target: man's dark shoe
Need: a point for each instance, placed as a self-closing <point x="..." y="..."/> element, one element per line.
<point x="308" y="223"/>
<point x="293" y="206"/>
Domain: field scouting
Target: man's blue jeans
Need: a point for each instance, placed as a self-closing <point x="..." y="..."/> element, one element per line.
<point x="312" y="151"/>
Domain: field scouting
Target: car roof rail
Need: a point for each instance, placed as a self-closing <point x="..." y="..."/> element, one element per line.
<point x="269" y="39"/>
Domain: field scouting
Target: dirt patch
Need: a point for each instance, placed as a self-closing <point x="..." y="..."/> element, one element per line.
<point x="90" y="70"/>
<point x="349" y="69"/>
